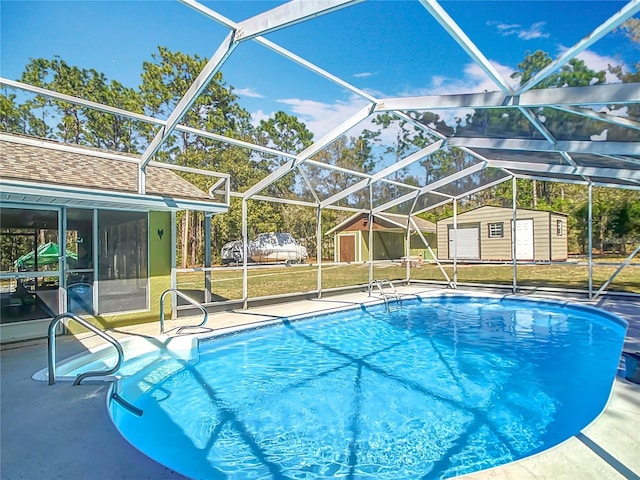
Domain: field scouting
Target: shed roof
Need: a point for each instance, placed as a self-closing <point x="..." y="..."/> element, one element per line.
<point x="494" y="208"/>
<point x="386" y="221"/>
<point x="108" y="178"/>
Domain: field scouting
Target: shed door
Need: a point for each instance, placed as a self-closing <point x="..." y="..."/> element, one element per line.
<point x="524" y="240"/>
<point x="467" y="241"/>
<point x="347" y="248"/>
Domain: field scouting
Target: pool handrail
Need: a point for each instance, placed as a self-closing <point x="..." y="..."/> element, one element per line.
<point x="94" y="329"/>
<point x="385" y="295"/>
<point x="188" y="299"/>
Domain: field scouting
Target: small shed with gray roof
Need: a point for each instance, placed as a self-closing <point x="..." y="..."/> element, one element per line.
<point x="351" y="237"/>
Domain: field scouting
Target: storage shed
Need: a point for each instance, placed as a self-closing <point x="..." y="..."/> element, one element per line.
<point x="351" y="240"/>
<point x="485" y="234"/>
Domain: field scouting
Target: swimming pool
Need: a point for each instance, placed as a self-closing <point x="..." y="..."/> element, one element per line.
<point x="437" y="388"/>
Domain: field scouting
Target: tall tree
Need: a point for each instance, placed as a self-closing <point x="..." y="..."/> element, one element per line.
<point x="288" y="134"/>
<point x="285" y="133"/>
<point x="37" y="74"/>
<point x="113" y="132"/>
<point x="166" y="79"/>
<point x="11" y="116"/>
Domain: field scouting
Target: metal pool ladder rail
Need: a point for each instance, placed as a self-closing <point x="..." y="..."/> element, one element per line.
<point x="188" y="299"/>
<point x="94" y="329"/>
<point x="52" y="358"/>
<point x="385" y="294"/>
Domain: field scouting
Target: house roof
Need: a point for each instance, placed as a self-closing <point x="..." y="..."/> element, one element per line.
<point x="386" y="221"/>
<point x="62" y="173"/>
<point x="494" y="208"/>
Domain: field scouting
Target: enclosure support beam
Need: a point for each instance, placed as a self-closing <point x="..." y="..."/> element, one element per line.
<point x="62" y="265"/>
<point x="319" y="248"/>
<point x="432" y="186"/>
<point x="245" y="253"/>
<point x="370" y="233"/>
<point x="590" y="239"/>
<point x="431" y="252"/>
<point x="174" y="262"/>
<point x="455" y="243"/>
<point x="287" y="14"/>
<point x="441" y="16"/>
<point x="589" y="113"/>
<point x="278" y="49"/>
<point x="94" y="254"/>
<point x="207" y="258"/>
<point x="571" y="146"/>
<point x="514" y="250"/>
<point x="143" y="118"/>
<point x="607" y="94"/>
<point x="618" y="270"/>
<point x="408" y="244"/>
<point x="538" y="125"/>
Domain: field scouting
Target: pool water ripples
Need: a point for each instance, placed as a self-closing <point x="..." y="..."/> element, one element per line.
<point x="438" y="388"/>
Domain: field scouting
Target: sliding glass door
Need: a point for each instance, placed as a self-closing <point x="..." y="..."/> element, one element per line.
<point x="122" y="261"/>
<point x="31" y="263"/>
<point x="80" y="272"/>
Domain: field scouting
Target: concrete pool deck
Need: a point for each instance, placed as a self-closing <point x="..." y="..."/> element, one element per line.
<point x="64" y="432"/>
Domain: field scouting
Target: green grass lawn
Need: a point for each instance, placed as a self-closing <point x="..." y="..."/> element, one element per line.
<point x="263" y="281"/>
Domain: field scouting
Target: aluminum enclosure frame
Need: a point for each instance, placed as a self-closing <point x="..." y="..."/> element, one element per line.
<point x="571" y="100"/>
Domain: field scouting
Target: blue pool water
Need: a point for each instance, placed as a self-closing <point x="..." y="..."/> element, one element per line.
<point x="440" y="387"/>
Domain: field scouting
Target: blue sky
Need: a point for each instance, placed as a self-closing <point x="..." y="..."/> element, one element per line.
<point x="388" y="48"/>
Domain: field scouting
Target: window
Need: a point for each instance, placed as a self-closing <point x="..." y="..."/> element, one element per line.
<point x="496" y="230"/>
<point x="559" y="228"/>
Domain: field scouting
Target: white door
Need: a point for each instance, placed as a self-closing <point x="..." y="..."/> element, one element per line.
<point x="524" y="240"/>
<point x="466" y="242"/>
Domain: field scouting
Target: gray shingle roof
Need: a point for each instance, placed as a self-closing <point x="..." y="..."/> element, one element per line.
<point x="47" y="164"/>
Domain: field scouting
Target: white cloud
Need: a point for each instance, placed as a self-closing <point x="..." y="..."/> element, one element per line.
<point x="506" y="28"/>
<point x="259" y="115"/>
<point x="247" y="92"/>
<point x="536" y="30"/>
<point x="364" y="74"/>
<point x="320" y="117"/>
<point x="473" y="80"/>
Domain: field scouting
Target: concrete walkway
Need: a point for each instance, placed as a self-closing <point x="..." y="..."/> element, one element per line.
<point x="64" y="432"/>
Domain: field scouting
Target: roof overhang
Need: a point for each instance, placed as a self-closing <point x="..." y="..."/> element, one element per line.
<point x="55" y="195"/>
